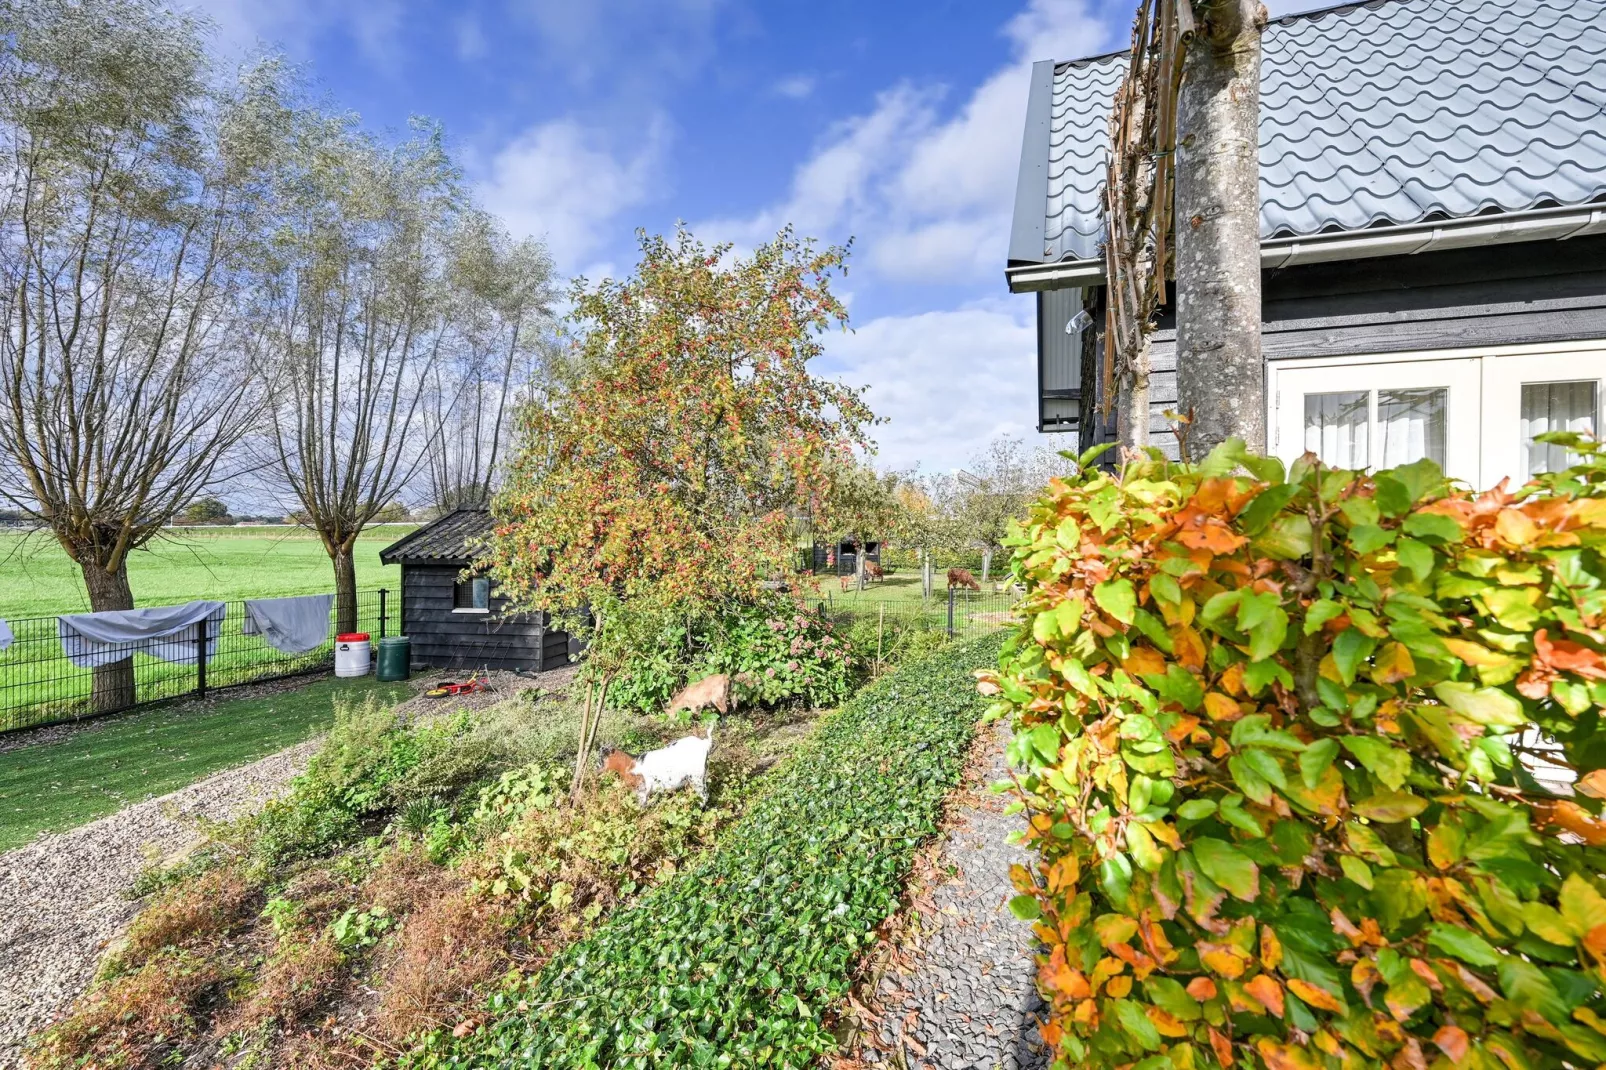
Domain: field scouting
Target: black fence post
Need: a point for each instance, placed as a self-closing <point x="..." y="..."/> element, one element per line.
<point x="382" y="617"/>
<point x="200" y="659"/>
<point x="950" y="611"/>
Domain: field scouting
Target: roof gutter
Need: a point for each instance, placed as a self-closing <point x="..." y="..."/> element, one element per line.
<point x="1543" y="224"/>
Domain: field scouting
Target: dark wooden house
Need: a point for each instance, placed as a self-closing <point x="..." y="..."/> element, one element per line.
<point x="457" y="620"/>
<point x="840" y="558"/>
<point x="1433" y="236"/>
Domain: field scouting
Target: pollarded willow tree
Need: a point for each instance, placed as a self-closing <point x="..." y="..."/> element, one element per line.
<point x="128" y="195"/>
<point x="682" y="433"/>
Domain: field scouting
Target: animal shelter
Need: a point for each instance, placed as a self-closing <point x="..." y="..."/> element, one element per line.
<point x="456" y="619"/>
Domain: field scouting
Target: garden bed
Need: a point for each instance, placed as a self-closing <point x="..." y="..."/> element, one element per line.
<point x="741" y="959"/>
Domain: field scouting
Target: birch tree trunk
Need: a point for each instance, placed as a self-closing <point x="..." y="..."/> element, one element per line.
<point x="1220" y="376"/>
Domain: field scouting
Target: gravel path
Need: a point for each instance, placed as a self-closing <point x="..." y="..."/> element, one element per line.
<point x="61" y="897"/>
<point x="965" y="997"/>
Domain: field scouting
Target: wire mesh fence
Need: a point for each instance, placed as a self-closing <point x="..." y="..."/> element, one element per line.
<point x="40" y="685"/>
<point x="957" y="611"/>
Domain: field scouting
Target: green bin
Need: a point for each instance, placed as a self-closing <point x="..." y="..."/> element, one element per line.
<point x="394" y="658"/>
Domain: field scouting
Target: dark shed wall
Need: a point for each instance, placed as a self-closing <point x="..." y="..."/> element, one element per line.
<point x="441" y="638"/>
<point x="1527" y="292"/>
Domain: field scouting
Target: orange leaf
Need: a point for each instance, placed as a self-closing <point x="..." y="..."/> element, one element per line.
<point x="1564" y="655"/>
<point x="1202" y="988"/>
<point x="1222" y="1047"/>
<point x="1394" y="663"/>
<point x="1265" y="988"/>
<point x="1232" y="680"/>
<point x="1143" y="660"/>
<point x="1592" y="784"/>
<point x="1569" y="816"/>
<point x="1271" y="948"/>
<point x="1452" y="1040"/>
<point x="1118" y="987"/>
<point x="1221" y="708"/>
<point x="1316" y="996"/>
<point x="1515" y="528"/>
<point x="1224" y="960"/>
<point x="1189" y="648"/>
<point x="1166" y="1024"/>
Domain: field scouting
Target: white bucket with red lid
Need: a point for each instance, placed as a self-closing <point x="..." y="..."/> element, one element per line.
<point x="352" y="654"/>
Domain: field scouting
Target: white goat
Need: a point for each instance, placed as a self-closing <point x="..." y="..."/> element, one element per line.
<point x="683" y="762"/>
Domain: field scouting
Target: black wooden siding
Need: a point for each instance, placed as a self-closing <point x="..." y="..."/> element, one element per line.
<point x="443" y="639"/>
<point x="1524" y="293"/>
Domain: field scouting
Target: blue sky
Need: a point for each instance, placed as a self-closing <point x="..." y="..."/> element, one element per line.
<point x="896" y="124"/>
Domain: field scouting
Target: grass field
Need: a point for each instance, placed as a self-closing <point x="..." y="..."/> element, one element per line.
<point x="50" y="787"/>
<point x="221" y="563"/>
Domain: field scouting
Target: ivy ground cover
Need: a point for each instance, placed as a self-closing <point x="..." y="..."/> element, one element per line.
<point x="1274" y="725"/>
<point x="736" y="962"/>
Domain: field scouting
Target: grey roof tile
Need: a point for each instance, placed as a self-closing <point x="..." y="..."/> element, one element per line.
<point x="452" y="539"/>
<point x="1386" y="112"/>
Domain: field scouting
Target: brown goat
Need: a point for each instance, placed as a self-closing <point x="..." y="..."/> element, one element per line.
<point x="959" y="577"/>
<point x="872" y="571"/>
<point x="712" y="691"/>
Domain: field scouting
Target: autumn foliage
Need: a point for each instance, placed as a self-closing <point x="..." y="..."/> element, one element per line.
<point x="1279" y="734"/>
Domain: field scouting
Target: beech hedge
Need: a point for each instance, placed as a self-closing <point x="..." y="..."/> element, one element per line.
<point x="1278" y="732"/>
<point x="736" y="962"/>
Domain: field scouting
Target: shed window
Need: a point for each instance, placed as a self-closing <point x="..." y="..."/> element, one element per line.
<point x="472" y="595"/>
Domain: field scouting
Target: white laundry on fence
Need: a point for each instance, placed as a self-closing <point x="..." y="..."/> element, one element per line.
<point x="5" y="634"/>
<point x="289" y="625"/>
<point x="166" y="632"/>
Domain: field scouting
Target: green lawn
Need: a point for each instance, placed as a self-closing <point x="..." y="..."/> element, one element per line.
<point x="54" y="786"/>
<point x="222" y="563"/>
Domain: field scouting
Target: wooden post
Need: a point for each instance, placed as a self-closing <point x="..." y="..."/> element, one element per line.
<point x="880" y="622"/>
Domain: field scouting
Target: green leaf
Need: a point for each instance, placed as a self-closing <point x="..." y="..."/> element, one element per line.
<point x="1392" y="496"/>
<point x="1227" y="866"/>
<point x="1165" y="588"/>
<point x="1356" y="870"/>
<point x="1581" y="904"/>
<point x="1134" y="1023"/>
<point x="1369" y="538"/>
<point x="1349" y="650"/>
<point x="1263" y="763"/>
<point x="1415" y="556"/>
<point x="1433" y="526"/>
<point x="1265" y="469"/>
<point x="1256" y="731"/>
<point x="1530" y="989"/>
<point x="1249" y="780"/>
<point x="1320" y="612"/>
<point x="1117" y="598"/>
<point x="1169" y="995"/>
<point x="1315" y="759"/>
<point x="1196" y="809"/>
<point x="1144" y="852"/>
<point x="1219" y="605"/>
<point x="1025" y="907"/>
<point x="1222" y="460"/>
<point x="1391" y="806"/>
<point x="1258" y="674"/>
<point x="1386" y="762"/>
<point x="1044" y="740"/>
<point x="1266" y="638"/>
<point x="1115" y="876"/>
<point x="1487" y="706"/>
<point x="1267" y="504"/>
<point x="1287" y="539"/>
<point x="1463" y="944"/>
<point x="1068" y="534"/>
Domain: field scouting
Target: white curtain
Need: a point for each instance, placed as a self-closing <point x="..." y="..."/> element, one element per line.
<point x="1554" y="407"/>
<point x="1335" y="427"/>
<point x="1411" y="425"/>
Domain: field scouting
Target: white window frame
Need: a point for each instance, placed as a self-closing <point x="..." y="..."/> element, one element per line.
<point x="1494" y="392"/>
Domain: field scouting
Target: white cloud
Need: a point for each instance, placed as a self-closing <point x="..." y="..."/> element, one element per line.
<point x="948" y="381"/>
<point x="797" y="87"/>
<point x="561" y="181"/>
<point x="471" y="43"/>
<point x="929" y="195"/>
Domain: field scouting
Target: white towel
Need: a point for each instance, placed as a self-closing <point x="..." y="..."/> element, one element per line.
<point x="166" y="632"/>
<point x="290" y="625"/>
<point x="5" y="634"/>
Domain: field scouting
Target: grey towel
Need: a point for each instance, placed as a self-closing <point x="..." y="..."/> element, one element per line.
<point x="166" y="632"/>
<point x="5" y="634"/>
<point x="290" y="625"/>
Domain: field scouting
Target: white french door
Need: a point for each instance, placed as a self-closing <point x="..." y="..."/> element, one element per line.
<point x="1475" y="412"/>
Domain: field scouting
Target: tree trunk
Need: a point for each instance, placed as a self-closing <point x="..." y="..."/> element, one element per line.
<point x="113" y="685"/>
<point x="345" y="561"/>
<point x="1132" y="415"/>
<point x="1220" y="376"/>
<point x="986" y="563"/>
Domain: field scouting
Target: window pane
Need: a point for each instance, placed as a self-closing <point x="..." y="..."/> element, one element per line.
<point x="1335" y="427"/>
<point x="1411" y="425"/>
<point x="1554" y="407"/>
<point x="482" y="593"/>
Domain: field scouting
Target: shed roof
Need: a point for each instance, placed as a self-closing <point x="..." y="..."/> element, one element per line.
<point x="1385" y="113"/>
<point x="454" y="539"/>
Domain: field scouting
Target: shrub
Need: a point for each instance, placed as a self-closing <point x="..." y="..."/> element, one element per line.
<point x="774" y="651"/>
<point x="1271" y="725"/>
<point x="735" y="961"/>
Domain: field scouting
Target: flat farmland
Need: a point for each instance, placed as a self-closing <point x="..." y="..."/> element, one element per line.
<point x="38" y="579"/>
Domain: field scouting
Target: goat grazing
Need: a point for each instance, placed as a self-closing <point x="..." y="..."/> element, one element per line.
<point x="872" y="571"/>
<point x="960" y="577"/>
<point x="684" y="762"/>
<point x="712" y="691"/>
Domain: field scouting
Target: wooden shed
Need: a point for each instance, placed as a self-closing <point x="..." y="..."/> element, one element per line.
<point x="458" y="621"/>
